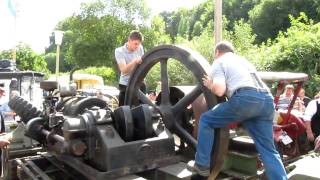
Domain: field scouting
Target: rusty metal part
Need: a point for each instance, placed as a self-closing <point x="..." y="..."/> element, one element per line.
<point x="199" y="67"/>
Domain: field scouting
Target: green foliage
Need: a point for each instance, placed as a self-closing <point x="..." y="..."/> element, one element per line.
<point x="236" y="10"/>
<point x="296" y="50"/>
<point x="197" y="29"/>
<point x="108" y="74"/>
<point x="271" y="16"/>
<point x="204" y="44"/>
<point x="158" y="29"/>
<point x="26" y="59"/>
<point x="312" y="86"/>
<point x="92" y="36"/>
<point x="127" y="10"/>
<point x="50" y="58"/>
<point x="177" y="72"/>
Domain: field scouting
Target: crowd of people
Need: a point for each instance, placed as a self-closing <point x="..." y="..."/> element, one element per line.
<point x="305" y="108"/>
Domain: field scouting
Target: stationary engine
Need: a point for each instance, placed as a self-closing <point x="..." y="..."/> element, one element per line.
<point x="85" y="134"/>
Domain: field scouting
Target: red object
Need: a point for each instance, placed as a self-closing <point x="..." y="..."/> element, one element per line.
<point x="293" y="125"/>
<point x="233" y="125"/>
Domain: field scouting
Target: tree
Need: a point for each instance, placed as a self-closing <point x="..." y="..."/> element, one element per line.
<point x="50" y="58"/>
<point x="296" y="50"/>
<point x="130" y="10"/>
<point x="271" y="16"/>
<point x="92" y="36"/>
<point x="27" y="59"/>
<point x="236" y="10"/>
<point x="158" y="28"/>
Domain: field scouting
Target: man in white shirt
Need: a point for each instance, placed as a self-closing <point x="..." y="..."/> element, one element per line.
<point x="249" y="103"/>
<point x="312" y="119"/>
<point x="128" y="57"/>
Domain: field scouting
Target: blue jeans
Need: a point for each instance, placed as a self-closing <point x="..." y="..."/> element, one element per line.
<point x="255" y="110"/>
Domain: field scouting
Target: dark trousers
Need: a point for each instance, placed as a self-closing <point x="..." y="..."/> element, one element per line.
<point x="122" y="93"/>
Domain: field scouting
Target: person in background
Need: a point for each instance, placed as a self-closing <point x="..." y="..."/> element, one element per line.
<point x="128" y="57"/>
<point x="312" y="118"/>
<point x="286" y="98"/>
<point x="5" y="110"/>
<point x="152" y="96"/>
<point x="249" y="102"/>
<point x="305" y="99"/>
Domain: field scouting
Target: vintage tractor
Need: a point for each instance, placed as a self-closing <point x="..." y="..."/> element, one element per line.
<point x="84" y="139"/>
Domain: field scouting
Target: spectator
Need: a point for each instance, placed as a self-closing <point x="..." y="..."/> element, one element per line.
<point x="286" y="98"/>
<point x="5" y="110"/>
<point x="152" y="96"/>
<point x="305" y="99"/>
<point x="312" y="118"/>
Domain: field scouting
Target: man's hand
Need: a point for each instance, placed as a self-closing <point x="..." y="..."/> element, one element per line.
<point x="207" y="82"/>
<point x="138" y="60"/>
<point x="4" y="142"/>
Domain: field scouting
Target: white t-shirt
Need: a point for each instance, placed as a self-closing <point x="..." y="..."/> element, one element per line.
<point x="311" y="109"/>
<point x="235" y="70"/>
<point x="123" y="55"/>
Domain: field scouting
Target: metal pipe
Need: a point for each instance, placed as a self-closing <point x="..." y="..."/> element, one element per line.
<point x="55" y="137"/>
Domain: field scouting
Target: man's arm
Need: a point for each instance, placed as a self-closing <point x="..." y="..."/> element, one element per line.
<point x="127" y="68"/>
<point x="309" y="131"/>
<point x="217" y="87"/>
<point x="310" y="111"/>
<point x="122" y="64"/>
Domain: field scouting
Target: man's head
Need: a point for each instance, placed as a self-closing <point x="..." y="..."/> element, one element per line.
<point x="222" y="48"/>
<point x="134" y="40"/>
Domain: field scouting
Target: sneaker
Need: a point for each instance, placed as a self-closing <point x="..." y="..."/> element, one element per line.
<point x="196" y="168"/>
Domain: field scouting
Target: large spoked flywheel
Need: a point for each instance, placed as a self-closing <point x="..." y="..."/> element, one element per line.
<point x="198" y="67"/>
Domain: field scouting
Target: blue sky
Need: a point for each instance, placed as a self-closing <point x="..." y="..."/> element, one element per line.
<point x="37" y="18"/>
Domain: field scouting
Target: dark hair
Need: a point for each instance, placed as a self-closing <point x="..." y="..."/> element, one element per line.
<point x="136" y="35"/>
<point x="224" y="46"/>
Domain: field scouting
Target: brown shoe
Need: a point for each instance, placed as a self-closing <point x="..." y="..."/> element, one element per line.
<point x="196" y="168"/>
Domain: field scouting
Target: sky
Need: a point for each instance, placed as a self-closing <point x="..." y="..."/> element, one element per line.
<point x="36" y="19"/>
